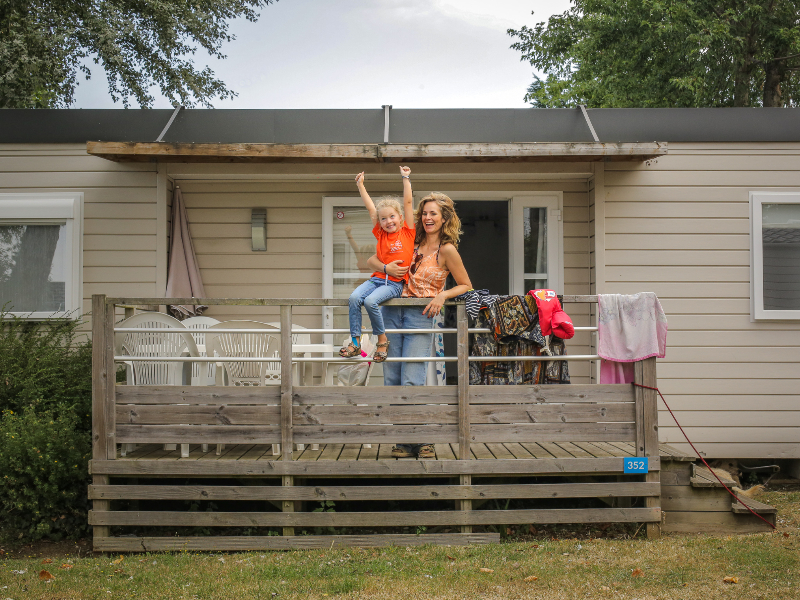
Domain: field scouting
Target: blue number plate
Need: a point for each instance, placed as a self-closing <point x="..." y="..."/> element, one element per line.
<point x="636" y="465"/>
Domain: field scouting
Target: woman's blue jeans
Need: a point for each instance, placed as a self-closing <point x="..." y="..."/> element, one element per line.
<point x="371" y="294"/>
<point x="407" y="345"/>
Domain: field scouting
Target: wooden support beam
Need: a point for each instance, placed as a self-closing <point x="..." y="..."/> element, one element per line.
<point x="445" y="152"/>
<point x="647" y="428"/>
<point x="302" y="542"/>
<point x="380" y="467"/>
<point x="100" y="383"/>
<point x="287" y="439"/>
<point x="320" y="493"/>
<point x="463" y="403"/>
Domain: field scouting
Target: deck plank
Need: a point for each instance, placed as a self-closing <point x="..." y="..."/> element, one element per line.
<point x="518" y="450"/>
<point x="375" y="519"/>
<point x="499" y="450"/>
<point x="575" y="450"/>
<point x="610" y="448"/>
<point x="246" y="543"/>
<point x="370" y="453"/>
<point x="556" y="450"/>
<point x="444" y="452"/>
<point x="331" y="452"/>
<point x="536" y="450"/>
<point x="385" y="451"/>
<point x="350" y="452"/>
<point x="481" y="452"/>
<point x="592" y="449"/>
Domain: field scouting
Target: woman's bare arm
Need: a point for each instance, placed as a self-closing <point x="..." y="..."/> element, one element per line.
<point x="393" y="268"/>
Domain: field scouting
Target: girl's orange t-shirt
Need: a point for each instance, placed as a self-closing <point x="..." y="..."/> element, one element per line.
<point x="394" y="246"/>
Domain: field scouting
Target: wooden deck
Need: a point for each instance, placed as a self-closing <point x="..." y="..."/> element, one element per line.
<point x="357" y="452"/>
<point x="504" y="455"/>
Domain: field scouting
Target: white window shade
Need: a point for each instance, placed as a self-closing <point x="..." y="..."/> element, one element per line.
<point x="40" y="254"/>
<point x="775" y="249"/>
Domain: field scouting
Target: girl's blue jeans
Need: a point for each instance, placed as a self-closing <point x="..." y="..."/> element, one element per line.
<point x="371" y="294"/>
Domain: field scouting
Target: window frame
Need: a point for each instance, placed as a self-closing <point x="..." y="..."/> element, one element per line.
<point x="59" y="208"/>
<point x="757" y="310"/>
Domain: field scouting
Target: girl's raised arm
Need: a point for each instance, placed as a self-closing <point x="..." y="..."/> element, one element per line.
<point x="373" y="214"/>
<point x="408" y="197"/>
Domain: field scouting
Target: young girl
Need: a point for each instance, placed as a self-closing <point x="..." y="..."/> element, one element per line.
<point x="393" y="227"/>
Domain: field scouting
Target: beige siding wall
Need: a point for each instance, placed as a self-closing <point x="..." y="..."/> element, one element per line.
<point x="121" y="220"/>
<point x="679" y="226"/>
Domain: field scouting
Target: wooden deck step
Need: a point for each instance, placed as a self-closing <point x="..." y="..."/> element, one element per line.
<point x="759" y="507"/>
<point x="702" y="477"/>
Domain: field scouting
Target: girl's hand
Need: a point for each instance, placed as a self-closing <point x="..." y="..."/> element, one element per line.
<point x="395" y="270"/>
<point x="360" y="179"/>
<point x="405" y="172"/>
<point x="435" y="306"/>
<point x="348" y="229"/>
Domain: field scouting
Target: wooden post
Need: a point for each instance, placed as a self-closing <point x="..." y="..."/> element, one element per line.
<point x="286" y="403"/>
<point x="99" y="385"/>
<point x="463" y="402"/>
<point x="647" y="428"/>
<point x="111" y="383"/>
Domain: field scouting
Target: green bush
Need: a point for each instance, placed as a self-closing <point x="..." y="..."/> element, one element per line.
<point x="45" y="428"/>
<point x="45" y="365"/>
<point x="44" y="474"/>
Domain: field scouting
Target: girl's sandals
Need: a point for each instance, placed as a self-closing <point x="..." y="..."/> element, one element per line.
<point x="402" y="451"/>
<point x="427" y="451"/>
<point x="381" y="355"/>
<point x="350" y="351"/>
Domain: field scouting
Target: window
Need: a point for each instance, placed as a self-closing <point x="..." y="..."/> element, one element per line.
<point x="775" y="251"/>
<point x="537" y="238"/>
<point x="40" y="254"/>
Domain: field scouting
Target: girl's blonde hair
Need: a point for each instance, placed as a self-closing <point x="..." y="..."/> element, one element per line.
<point x="390" y="202"/>
<point x="450" y="232"/>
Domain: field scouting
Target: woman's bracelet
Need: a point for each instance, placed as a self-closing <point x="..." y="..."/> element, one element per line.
<point x="406" y="176"/>
<point x="384" y="270"/>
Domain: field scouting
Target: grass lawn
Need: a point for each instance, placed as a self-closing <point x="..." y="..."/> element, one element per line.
<point x="677" y="566"/>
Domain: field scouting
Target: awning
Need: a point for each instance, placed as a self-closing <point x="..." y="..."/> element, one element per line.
<point x="331" y="153"/>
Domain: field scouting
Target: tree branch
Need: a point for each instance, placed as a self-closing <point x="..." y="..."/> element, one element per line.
<point x="784" y="57"/>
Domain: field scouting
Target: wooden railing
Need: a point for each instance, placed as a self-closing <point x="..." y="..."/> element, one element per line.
<point x="290" y="414"/>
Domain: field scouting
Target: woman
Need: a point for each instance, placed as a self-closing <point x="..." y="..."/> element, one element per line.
<point x="438" y="230"/>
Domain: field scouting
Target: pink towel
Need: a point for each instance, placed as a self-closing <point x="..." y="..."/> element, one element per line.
<point x="629" y="328"/>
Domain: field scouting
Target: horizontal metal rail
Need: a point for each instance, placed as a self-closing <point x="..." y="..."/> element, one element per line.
<point x="567" y="299"/>
<point x="276" y="359"/>
<point x="301" y="331"/>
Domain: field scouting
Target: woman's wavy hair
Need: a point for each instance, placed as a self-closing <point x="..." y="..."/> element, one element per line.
<point x="451" y="224"/>
<point x="392" y="202"/>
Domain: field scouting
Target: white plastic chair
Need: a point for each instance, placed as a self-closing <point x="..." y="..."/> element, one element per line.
<point x="156" y="345"/>
<point x="202" y="373"/>
<point x="245" y="345"/>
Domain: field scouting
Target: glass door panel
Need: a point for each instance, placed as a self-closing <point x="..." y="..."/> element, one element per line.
<point x="536" y="248"/>
<point x="534" y="228"/>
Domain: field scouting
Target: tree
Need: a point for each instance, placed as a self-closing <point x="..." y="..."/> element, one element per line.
<point x="663" y="53"/>
<point x="140" y="43"/>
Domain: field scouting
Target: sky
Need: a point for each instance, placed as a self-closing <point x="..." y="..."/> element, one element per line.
<point x="367" y="53"/>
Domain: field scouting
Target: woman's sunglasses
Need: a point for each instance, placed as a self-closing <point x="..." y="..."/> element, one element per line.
<point x="416" y="263"/>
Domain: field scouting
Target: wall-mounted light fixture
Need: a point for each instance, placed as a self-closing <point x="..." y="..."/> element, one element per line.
<point x="258" y="226"/>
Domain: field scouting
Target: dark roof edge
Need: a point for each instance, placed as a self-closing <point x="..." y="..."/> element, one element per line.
<point x="413" y="126"/>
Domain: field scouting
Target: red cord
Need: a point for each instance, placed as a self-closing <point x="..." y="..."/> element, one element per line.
<point x="647" y="387"/>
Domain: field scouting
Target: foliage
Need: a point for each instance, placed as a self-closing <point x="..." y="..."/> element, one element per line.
<point x="44" y="467"/>
<point x="666" y="53"/>
<point x="44" y="366"/>
<point x="45" y="428"/>
<point x="139" y="44"/>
